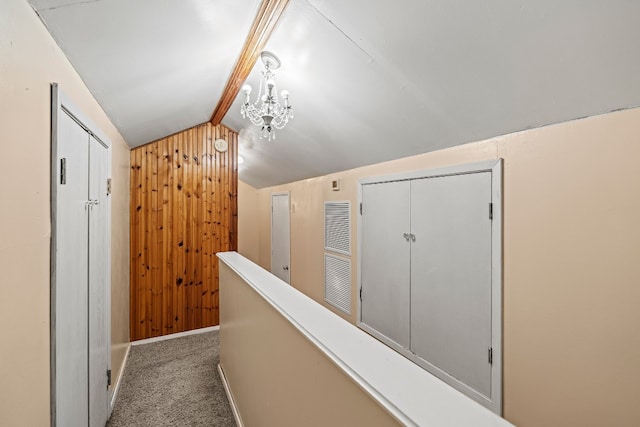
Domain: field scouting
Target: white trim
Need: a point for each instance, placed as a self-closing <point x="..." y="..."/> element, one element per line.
<point x="288" y="194"/>
<point x="232" y="401"/>
<point x="359" y="254"/>
<point x="56" y="94"/>
<point x="496" y="286"/>
<point x="176" y="335"/>
<point x="484" y="166"/>
<point x="116" y="387"/>
<point x="494" y="402"/>
<point x="406" y="391"/>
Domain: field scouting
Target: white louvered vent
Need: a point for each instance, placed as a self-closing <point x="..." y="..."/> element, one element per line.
<point x="337" y="282"/>
<point x="337" y="227"/>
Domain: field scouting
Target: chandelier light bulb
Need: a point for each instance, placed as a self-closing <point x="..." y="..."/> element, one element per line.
<point x="270" y="84"/>
<point x="246" y="89"/>
<point x="285" y="94"/>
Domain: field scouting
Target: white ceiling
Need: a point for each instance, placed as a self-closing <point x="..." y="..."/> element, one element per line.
<point x="155" y="66"/>
<point x="370" y="80"/>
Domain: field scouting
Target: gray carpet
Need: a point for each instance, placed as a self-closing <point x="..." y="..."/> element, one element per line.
<point x="173" y="383"/>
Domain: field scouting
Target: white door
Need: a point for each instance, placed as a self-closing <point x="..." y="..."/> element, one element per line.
<point x="385" y="259"/>
<point x="280" y="236"/>
<point x="451" y="276"/>
<point x="99" y="283"/>
<point x="81" y="272"/>
<point x="70" y="292"/>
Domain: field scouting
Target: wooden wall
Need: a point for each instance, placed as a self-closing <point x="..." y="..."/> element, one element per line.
<point x="183" y="211"/>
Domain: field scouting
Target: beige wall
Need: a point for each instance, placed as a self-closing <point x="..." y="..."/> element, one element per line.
<point x="120" y="160"/>
<point x="248" y="237"/>
<point x="29" y="61"/>
<point x="571" y="262"/>
<point x="277" y="376"/>
<point x="307" y="209"/>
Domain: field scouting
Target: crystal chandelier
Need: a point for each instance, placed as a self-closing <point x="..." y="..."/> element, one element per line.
<point x="266" y="111"/>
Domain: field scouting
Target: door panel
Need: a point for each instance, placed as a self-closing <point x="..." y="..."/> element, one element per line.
<point x="71" y="294"/>
<point x="451" y="275"/>
<point x="280" y="236"/>
<point x="385" y="259"/>
<point x="99" y="283"/>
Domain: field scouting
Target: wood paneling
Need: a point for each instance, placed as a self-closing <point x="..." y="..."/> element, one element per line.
<point x="183" y="211"/>
<point x="263" y="25"/>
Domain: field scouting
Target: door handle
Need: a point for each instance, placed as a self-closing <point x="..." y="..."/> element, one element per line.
<point x="409" y="236"/>
<point x="286" y="268"/>
<point x="91" y="203"/>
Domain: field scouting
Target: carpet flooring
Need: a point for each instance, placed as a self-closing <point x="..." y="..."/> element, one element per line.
<point x="173" y="383"/>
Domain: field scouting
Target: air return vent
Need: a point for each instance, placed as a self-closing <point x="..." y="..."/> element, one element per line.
<point x="337" y="282"/>
<point x="337" y="228"/>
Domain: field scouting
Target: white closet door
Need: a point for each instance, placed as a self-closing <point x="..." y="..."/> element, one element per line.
<point x="71" y="277"/>
<point x="99" y="283"/>
<point x="280" y="236"/>
<point x="451" y="276"/>
<point x="385" y="259"/>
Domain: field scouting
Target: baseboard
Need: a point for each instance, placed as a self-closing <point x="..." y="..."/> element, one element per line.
<point x="116" y="388"/>
<point x="232" y="402"/>
<point x="176" y="335"/>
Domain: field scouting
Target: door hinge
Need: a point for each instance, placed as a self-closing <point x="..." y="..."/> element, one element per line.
<point x="63" y="171"/>
<point x="108" y="377"/>
<point x="360" y="208"/>
<point x="490" y="356"/>
<point x="491" y="211"/>
<point x="360" y="293"/>
<point x="108" y="186"/>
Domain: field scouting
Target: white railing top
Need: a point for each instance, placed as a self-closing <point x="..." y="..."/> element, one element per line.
<point x="408" y="392"/>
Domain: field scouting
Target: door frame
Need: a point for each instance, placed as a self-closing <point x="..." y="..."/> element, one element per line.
<point x="288" y="194"/>
<point x="62" y="104"/>
<point x="495" y="168"/>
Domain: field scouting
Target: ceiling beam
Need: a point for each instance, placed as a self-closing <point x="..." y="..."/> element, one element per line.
<point x="263" y="25"/>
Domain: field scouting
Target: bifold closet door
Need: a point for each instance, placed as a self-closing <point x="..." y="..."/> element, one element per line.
<point x="82" y="261"/>
<point x="71" y="373"/>
<point x="385" y="266"/>
<point x="99" y="282"/>
<point x="451" y="276"/>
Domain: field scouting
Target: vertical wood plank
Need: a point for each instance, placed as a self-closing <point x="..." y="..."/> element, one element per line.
<point x="218" y="219"/>
<point x="179" y="242"/>
<point x="169" y="261"/>
<point x="140" y="291"/>
<point x="208" y="246"/>
<point x="155" y="292"/>
<point x="197" y="315"/>
<point x="136" y="257"/>
<point x="163" y="230"/>
<point x="148" y="242"/>
<point x="194" y="229"/>
<point x="189" y="233"/>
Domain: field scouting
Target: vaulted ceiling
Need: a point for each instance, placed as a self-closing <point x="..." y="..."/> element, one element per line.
<point x="369" y="80"/>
